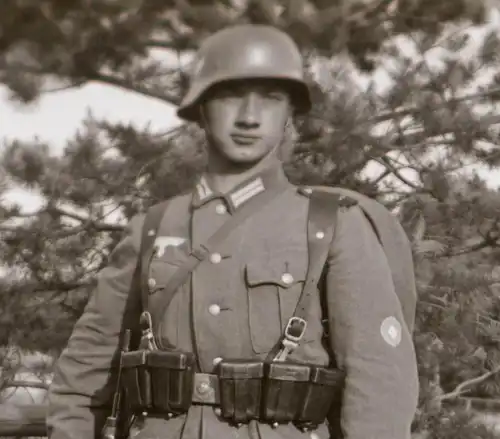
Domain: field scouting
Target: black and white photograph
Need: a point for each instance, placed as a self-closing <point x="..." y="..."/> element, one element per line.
<point x="250" y="219"/>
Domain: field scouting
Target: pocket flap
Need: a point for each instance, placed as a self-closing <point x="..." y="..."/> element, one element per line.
<point x="279" y="273"/>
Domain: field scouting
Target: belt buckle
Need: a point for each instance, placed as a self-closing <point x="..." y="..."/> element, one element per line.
<point x="206" y="389"/>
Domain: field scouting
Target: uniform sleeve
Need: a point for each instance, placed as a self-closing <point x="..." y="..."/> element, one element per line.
<point x="368" y="335"/>
<point x="80" y="395"/>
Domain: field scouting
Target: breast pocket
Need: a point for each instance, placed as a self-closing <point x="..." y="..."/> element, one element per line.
<point x="162" y="268"/>
<point x="273" y="293"/>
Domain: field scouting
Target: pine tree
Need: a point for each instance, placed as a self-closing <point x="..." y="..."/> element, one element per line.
<point x="419" y="137"/>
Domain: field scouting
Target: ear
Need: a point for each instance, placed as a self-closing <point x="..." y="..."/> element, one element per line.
<point x="202" y="116"/>
<point x="287" y="144"/>
<point x="290" y="129"/>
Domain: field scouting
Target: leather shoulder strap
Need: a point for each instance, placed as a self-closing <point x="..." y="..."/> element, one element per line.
<point x="152" y="221"/>
<point x="322" y="216"/>
<point x="322" y="219"/>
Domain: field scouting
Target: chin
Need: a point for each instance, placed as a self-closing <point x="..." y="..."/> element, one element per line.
<point x="241" y="157"/>
<point x="244" y="161"/>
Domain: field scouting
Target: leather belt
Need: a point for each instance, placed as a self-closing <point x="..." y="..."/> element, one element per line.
<point x="206" y="389"/>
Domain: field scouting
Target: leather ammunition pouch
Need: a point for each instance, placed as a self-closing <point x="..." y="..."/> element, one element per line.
<point x="162" y="382"/>
<point x="158" y="381"/>
<point x="240" y="384"/>
<point x="300" y="393"/>
<point x="278" y="393"/>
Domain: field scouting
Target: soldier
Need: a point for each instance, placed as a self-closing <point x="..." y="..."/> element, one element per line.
<point x="246" y="85"/>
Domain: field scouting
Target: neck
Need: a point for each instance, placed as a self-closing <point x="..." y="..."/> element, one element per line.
<point x="225" y="178"/>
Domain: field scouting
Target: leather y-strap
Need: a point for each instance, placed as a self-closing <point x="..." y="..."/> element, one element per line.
<point x="322" y="215"/>
<point x="200" y="253"/>
<point x="150" y="228"/>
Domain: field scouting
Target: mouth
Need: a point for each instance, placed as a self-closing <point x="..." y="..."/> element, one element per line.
<point x="244" y="139"/>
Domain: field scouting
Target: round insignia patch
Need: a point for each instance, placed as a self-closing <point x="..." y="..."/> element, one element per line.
<point x="391" y="331"/>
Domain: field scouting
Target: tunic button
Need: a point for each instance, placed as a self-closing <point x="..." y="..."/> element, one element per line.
<point x="320" y="235"/>
<point x="151" y="283"/>
<point x="215" y="258"/>
<point x="216" y="361"/>
<point x="214" y="309"/>
<point x="217" y="411"/>
<point x="287" y="278"/>
<point x="221" y="209"/>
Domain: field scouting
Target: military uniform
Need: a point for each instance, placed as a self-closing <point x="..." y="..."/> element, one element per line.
<point x="236" y="305"/>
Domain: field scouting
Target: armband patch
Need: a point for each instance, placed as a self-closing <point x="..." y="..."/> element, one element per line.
<point x="390" y="329"/>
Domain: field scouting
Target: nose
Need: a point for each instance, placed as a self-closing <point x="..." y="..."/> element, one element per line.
<point x="249" y="112"/>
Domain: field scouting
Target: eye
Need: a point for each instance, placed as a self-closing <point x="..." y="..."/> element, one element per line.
<point x="274" y="95"/>
<point x="226" y="94"/>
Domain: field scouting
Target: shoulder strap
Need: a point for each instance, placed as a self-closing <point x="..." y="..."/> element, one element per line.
<point x="198" y="255"/>
<point x="150" y="227"/>
<point x="322" y="216"/>
<point x="397" y="249"/>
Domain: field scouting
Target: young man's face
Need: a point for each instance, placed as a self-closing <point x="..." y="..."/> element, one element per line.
<point x="245" y="120"/>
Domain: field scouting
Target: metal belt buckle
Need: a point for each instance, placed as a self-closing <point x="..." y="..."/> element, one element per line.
<point x="206" y="389"/>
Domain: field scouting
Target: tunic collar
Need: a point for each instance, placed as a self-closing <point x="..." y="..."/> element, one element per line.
<point x="269" y="178"/>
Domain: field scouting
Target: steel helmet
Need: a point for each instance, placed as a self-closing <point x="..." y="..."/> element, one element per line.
<point x="245" y="52"/>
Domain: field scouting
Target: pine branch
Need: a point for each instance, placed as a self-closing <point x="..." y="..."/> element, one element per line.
<point x="136" y="88"/>
<point x="402" y="112"/>
<point x="157" y="43"/>
<point x="116" y="81"/>
<point x="490" y="239"/>
<point x="384" y="161"/>
<point x="350" y="169"/>
<point x="64" y="87"/>
<point x="87" y="222"/>
<point x="26" y="384"/>
<point x="407" y="141"/>
<point x="471" y="249"/>
<point x="379" y="179"/>
<point x="99" y="226"/>
<point x="479" y="404"/>
<point x="390" y="115"/>
<point x="58" y="287"/>
<point x="461" y="388"/>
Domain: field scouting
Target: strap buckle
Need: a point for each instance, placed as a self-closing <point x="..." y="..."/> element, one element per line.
<point x="294" y="331"/>
<point x="147" y="339"/>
